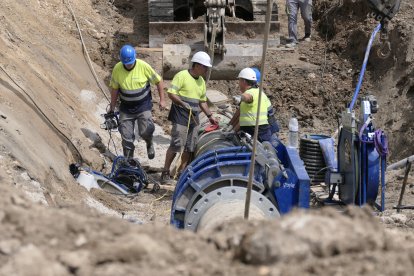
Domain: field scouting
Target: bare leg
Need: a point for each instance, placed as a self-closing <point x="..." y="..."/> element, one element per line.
<point x="169" y="157"/>
<point x="185" y="159"/>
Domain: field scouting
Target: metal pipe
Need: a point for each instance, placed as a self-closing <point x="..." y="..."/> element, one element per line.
<point x="401" y="163"/>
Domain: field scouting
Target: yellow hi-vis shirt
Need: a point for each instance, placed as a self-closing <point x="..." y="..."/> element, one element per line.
<point x="191" y="91"/>
<point x="134" y="86"/>
<point x="248" y="111"/>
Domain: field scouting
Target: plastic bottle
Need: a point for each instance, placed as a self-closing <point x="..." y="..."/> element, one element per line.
<point x="293" y="133"/>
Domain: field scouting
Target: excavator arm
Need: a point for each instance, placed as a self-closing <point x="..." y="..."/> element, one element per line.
<point x="384" y="9"/>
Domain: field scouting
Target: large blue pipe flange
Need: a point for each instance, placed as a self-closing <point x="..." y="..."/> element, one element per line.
<point x="280" y="181"/>
<point x="225" y="203"/>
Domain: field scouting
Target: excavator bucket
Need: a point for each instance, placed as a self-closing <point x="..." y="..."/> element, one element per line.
<point x="240" y="44"/>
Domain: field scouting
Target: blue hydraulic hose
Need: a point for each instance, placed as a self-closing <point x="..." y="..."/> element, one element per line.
<point x="364" y="65"/>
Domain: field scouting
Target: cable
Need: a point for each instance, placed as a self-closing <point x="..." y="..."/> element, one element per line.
<point x="78" y="156"/>
<point x="364" y="65"/>
<point x="88" y="59"/>
<point x="113" y="142"/>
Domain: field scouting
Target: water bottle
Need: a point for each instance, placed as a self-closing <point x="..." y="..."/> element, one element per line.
<point x="293" y="133"/>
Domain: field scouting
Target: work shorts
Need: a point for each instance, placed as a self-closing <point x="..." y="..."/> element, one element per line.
<point x="183" y="138"/>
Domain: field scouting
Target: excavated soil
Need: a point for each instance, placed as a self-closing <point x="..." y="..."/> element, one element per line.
<point x="50" y="116"/>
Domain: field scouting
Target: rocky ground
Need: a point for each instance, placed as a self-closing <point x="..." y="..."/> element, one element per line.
<point x="50" y="113"/>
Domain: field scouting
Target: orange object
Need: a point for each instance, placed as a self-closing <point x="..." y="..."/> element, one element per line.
<point x="211" y="127"/>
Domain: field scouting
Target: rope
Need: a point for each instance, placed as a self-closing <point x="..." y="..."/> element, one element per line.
<point x="256" y="127"/>
<point x="77" y="155"/>
<point x="190" y="114"/>
<point x="85" y="51"/>
<point x="380" y="140"/>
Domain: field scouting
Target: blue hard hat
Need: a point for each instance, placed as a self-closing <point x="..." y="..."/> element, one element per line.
<point x="127" y="55"/>
<point x="258" y="75"/>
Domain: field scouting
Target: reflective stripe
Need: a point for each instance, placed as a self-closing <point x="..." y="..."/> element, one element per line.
<point x="194" y="103"/>
<point x="189" y="100"/>
<point x="153" y="77"/>
<point x="249" y="114"/>
<point x="250" y="123"/>
<point x="135" y="95"/>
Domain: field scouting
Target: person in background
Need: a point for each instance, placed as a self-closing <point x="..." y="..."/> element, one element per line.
<point x="188" y="96"/>
<point x="131" y="82"/>
<point x="292" y="9"/>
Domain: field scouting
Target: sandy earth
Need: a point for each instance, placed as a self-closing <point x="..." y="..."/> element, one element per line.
<point x="50" y="116"/>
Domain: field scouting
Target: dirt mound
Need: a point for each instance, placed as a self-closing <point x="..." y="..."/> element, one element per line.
<point x="86" y="243"/>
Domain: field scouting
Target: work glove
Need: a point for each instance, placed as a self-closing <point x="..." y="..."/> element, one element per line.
<point x="186" y="106"/>
<point x="237" y="100"/>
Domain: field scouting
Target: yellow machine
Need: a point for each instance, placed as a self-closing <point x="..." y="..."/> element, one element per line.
<point x="231" y="31"/>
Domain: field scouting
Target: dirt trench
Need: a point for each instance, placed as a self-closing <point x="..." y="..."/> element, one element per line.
<point x="69" y="231"/>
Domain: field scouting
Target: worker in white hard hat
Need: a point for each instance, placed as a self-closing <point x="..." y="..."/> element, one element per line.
<point x="244" y="118"/>
<point x="188" y="96"/>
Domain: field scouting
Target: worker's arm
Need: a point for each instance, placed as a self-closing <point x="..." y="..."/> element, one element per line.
<point x="160" y="87"/>
<point x="114" y="98"/>
<point x="247" y="98"/>
<point x="206" y="110"/>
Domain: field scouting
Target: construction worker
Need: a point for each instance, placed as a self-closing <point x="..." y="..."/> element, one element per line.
<point x="244" y="118"/>
<point x="131" y="81"/>
<point x="274" y="126"/>
<point x="188" y="96"/>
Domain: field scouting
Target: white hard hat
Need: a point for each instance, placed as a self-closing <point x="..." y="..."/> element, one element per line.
<point x="202" y="58"/>
<point x="248" y="74"/>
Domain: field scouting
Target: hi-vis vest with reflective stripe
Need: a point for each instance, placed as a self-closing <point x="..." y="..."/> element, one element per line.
<point x="189" y="89"/>
<point x="135" y="85"/>
<point x="248" y="111"/>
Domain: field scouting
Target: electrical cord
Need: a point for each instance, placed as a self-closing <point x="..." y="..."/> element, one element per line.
<point x="88" y="59"/>
<point x="75" y="152"/>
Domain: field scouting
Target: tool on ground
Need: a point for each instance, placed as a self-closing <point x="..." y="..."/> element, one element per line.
<point x="126" y="177"/>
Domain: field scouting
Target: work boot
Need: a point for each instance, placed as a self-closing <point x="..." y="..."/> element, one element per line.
<point x="150" y="150"/>
<point x="166" y="178"/>
<point x="291" y="45"/>
<point x="307" y="38"/>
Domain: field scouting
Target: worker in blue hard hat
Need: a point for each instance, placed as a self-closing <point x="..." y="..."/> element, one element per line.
<point x="245" y="117"/>
<point x="274" y="126"/>
<point x="131" y="82"/>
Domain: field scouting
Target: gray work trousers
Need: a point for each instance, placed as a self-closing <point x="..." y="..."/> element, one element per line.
<point x="292" y="7"/>
<point x="127" y="124"/>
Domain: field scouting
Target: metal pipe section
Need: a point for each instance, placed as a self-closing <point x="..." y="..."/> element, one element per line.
<point x="400" y="164"/>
